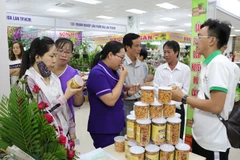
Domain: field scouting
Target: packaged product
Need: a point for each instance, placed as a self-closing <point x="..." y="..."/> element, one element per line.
<point x="131" y="127"/>
<point x="158" y="130"/>
<point x="130" y="144"/>
<point x="143" y="132"/>
<point x="141" y="110"/>
<point x="182" y="151"/>
<point x="147" y="94"/>
<point x="166" y="152"/>
<point x="119" y="143"/>
<point x="152" y="152"/>
<point x="76" y="82"/>
<point x="169" y="109"/>
<point x="137" y="153"/>
<point x="164" y="95"/>
<point x="156" y="110"/>
<point x="173" y="130"/>
<point x="126" y="146"/>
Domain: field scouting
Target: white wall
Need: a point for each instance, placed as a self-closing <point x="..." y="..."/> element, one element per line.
<point x="4" y="61"/>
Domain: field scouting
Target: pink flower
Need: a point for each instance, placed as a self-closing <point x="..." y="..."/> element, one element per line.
<point x="42" y="105"/>
<point x="62" y="140"/>
<point x="49" y="118"/>
<point x="35" y="89"/>
<point x="71" y="144"/>
<point x="70" y="154"/>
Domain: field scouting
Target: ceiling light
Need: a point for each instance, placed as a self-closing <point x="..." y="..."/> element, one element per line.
<point x="168" y="19"/>
<point x="167" y="6"/>
<point x="189" y="15"/>
<point x="30" y="26"/>
<point x="104" y="17"/>
<point x="141" y="29"/>
<point x="137" y="11"/>
<point x="89" y="1"/>
<point x="142" y="23"/>
<point x="180" y="30"/>
<point x="232" y="35"/>
<point x="156" y="31"/>
<point x="187" y="24"/>
<point x="161" y="27"/>
<point x="57" y="10"/>
<point x="237" y="30"/>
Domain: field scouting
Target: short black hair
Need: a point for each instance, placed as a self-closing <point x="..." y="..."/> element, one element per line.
<point x="173" y="45"/>
<point x="60" y="42"/>
<point x="143" y="53"/>
<point x="128" y="39"/>
<point x="218" y="29"/>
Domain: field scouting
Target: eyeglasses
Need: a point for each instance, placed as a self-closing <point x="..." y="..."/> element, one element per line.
<point x="201" y="37"/>
<point x="65" y="52"/>
<point x="119" y="56"/>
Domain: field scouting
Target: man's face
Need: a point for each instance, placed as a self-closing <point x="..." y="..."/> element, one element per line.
<point x="135" y="49"/>
<point x="169" y="54"/>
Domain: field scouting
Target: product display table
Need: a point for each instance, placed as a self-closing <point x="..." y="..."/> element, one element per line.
<point x="121" y="156"/>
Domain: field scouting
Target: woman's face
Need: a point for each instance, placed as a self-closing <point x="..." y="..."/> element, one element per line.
<point x="64" y="54"/>
<point x="16" y="49"/>
<point x="49" y="58"/>
<point x="118" y="59"/>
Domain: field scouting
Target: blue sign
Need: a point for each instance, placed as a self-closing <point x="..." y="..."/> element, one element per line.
<point x="19" y="18"/>
<point x="89" y="25"/>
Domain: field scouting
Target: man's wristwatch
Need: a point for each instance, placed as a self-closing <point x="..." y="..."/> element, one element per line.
<point x="184" y="99"/>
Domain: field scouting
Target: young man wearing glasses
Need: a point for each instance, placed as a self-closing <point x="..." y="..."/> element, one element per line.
<point x="218" y="81"/>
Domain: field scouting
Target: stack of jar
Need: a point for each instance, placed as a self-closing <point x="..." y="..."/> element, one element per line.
<point x="154" y="122"/>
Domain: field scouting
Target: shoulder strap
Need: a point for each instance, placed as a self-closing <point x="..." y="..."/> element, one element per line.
<point x="218" y="115"/>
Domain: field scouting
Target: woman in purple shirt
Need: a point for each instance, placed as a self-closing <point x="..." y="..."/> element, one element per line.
<point x="106" y="92"/>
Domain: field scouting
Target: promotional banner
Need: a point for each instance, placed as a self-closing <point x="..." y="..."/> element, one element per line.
<point x="199" y="8"/>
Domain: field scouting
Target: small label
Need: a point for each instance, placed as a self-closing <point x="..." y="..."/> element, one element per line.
<point x="158" y="133"/>
<point x="138" y="134"/>
<point x="168" y="132"/>
<point x="133" y="157"/>
<point x="130" y="129"/>
<point x="151" y="157"/>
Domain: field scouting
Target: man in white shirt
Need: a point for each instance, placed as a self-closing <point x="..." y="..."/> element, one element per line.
<point x="173" y="73"/>
<point x="218" y="81"/>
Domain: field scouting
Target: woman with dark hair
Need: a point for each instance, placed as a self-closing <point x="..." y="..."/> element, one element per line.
<point x="65" y="72"/>
<point x="15" y="57"/>
<point x="105" y="93"/>
<point x="36" y="67"/>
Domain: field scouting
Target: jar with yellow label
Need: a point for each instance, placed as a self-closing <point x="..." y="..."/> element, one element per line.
<point x="143" y="132"/>
<point x="182" y="151"/>
<point x="137" y="153"/>
<point x="166" y="152"/>
<point x="158" y="130"/>
<point x="156" y="110"/>
<point x="169" y="109"/>
<point x="152" y="152"/>
<point x="173" y="130"/>
<point x="147" y="94"/>
<point x="130" y="144"/>
<point x="131" y="127"/>
<point x="164" y="95"/>
<point x="141" y="110"/>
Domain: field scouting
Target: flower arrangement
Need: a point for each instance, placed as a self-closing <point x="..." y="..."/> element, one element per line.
<point x="25" y="124"/>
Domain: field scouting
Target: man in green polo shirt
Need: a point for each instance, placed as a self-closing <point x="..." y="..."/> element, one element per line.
<point x="218" y="81"/>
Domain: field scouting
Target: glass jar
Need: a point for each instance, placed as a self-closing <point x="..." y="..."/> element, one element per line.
<point x="156" y="110"/>
<point x="119" y="143"/>
<point x="147" y="94"/>
<point x="141" y="110"/>
<point x="166" y="152"/>
<point x="182" y="151"/>
<point x="177" y="115"/>
<point x="136" y="153"/>
<point x="173" y="130"/>
<point x="152" y="152"/>
<point x="164" y="95"/>
<point x="131" y="127"/>
<point x="143" y="132"/>
<point x="169" y="109"/>
<point x="158" y="130"/>
<point x="130" y="144"/>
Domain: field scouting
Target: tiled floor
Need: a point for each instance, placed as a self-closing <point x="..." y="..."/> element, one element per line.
<point x="86" y="141"/>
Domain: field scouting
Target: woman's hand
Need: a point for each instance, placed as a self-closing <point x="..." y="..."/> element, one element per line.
<point x="123" y="72"/>
<point x="71" y="91"/>
<point x="133" y="90"/>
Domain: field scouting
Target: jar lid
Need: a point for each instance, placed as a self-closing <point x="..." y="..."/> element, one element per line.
<point x="78" y="79"/>
<point x="119" y="139"/>
<point x="132" y="143"/>
<point x="174" y="120"/>
<point x="143" y="121"/>
<point x="156" y="103"/>
<point x="141" y="104"/>
<point x="152" y="148"/>
<point x="125" y="137"/>
<point x="132" y="112"/>
<point x="177" y="115"/>
<point x="171" y="103"/>
<point x="137" y="150"/>
<point x="159" y="120"/>
<point x="147" y="88"/>
<point x="165" y="88"/>
<point x="167" y="148"/>
<point x="183" y="147"/>
<point x="131" y="117"/>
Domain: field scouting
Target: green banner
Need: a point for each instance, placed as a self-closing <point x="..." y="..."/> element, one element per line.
<point x="199" y="15"/>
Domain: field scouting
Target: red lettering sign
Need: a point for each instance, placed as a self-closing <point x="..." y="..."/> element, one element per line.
<point x="196" y="67"/>
<point x="197" y="27"/>
<point x="195" y="54"/>
<point x="194" y="92"/>
<point x="195" y="80"/>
